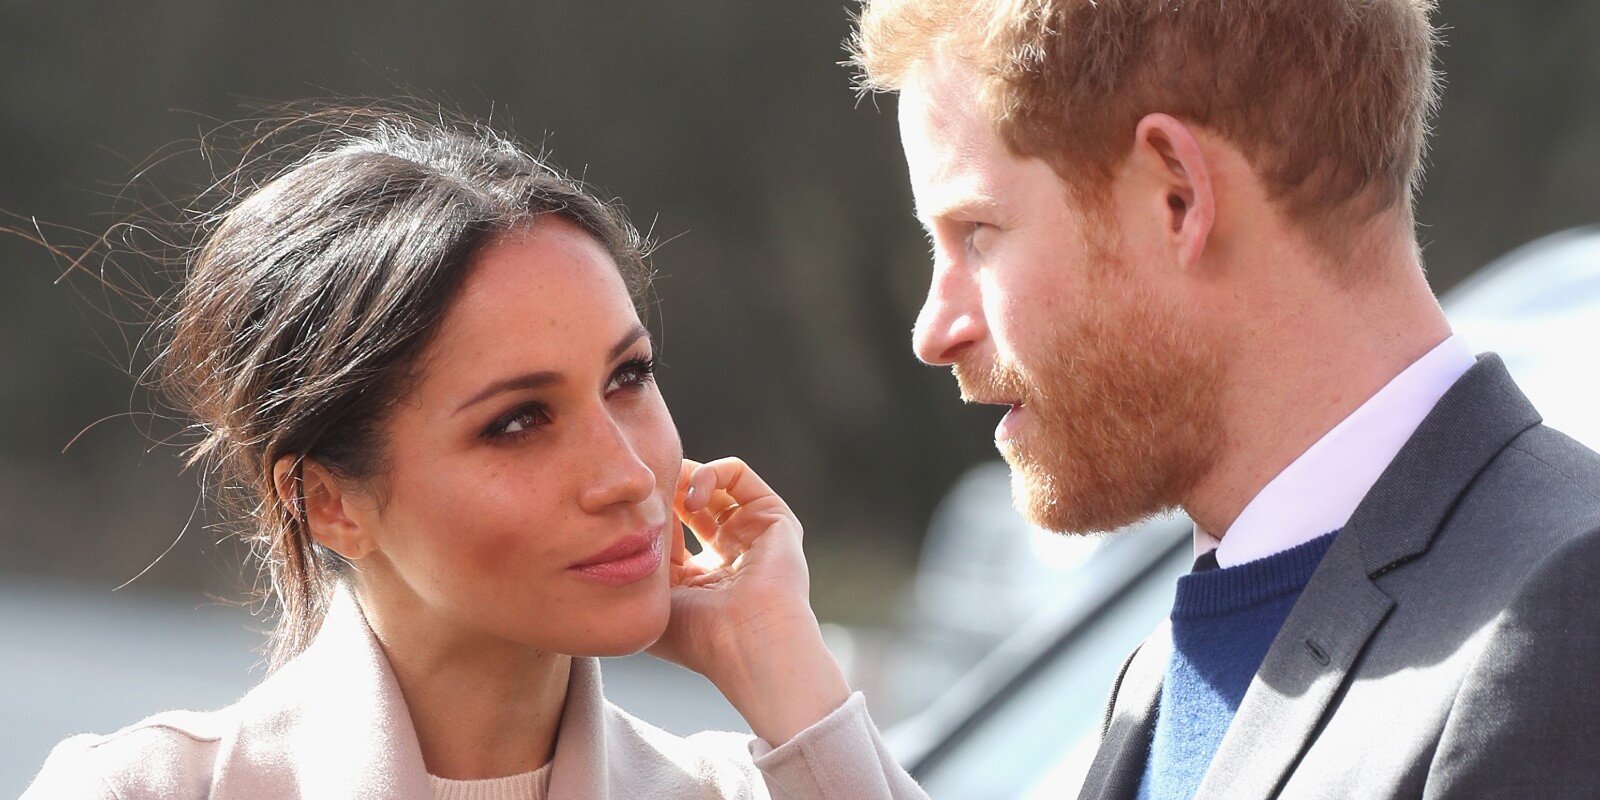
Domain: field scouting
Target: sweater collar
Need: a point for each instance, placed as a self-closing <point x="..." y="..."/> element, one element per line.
<point x="1223" y="591"/>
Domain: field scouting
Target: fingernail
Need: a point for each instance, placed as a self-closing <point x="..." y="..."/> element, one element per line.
<point x="689" y="495"/>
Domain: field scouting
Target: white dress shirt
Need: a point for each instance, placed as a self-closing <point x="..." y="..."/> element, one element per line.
<point x="1317" y="493"/>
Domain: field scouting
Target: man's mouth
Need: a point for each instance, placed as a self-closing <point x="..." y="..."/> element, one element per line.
<point x="992" y="401"/>
<point x="1015" y="412"/>
<point x="1008" y="427"/>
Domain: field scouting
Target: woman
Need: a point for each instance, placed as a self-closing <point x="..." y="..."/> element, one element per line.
<point x="418" y="353"/>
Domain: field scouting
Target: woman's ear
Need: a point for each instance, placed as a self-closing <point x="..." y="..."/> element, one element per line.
<point x="1169" y="153"/>
<point x="313" y="493"/>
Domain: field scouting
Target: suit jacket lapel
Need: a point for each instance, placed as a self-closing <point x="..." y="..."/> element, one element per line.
<point x="1309" y="660"/>
<point x="1125" y="744"/>
<point x="1341" y="608"/>
<point x="1471" y="424"/>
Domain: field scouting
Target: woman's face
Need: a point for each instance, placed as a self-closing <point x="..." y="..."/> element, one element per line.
<point x="528" y="483"/>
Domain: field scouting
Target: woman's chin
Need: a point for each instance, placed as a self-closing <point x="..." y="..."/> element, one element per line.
<point x="626" y="632"/>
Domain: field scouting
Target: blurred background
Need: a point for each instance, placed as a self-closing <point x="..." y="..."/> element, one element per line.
<point x="789" y="280"/>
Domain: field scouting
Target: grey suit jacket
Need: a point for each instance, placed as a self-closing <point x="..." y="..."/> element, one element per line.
<point x="1448" y="646"/>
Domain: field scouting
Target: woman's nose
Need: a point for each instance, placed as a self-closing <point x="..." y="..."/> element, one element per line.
<point x="951" y="319"/>
<point x="617" y="476"/>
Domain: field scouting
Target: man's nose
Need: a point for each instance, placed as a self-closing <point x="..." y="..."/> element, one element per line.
<point x="617" y="476"/>
<point x="951" y="320"/>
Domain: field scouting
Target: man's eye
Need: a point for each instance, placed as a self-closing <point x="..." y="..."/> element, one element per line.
<point x="980" y="235"/>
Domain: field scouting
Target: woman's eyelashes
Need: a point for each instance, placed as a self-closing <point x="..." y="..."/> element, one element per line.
<point x="635" y="373"/>
<point x="518" y="422"/>
<point x="632" y="375"/>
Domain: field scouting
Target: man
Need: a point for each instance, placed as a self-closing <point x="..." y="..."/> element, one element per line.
<point x="1176" y="240"/>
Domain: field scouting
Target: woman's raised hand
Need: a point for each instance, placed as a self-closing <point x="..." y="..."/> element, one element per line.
<point x="741" y="612"/>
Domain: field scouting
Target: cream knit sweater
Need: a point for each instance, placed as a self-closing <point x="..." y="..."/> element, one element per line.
<point x="533" y="785"/>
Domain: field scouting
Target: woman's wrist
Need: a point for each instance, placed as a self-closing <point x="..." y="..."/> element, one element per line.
<point x="784" y="680"/>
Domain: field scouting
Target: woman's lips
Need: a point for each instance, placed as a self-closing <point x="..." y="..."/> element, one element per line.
<point x="631" y="559"/>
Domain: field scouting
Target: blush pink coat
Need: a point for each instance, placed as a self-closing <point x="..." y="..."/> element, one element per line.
<point x="332" y="724"/>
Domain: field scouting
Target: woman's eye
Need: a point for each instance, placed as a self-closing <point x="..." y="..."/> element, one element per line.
<point x="633" y="374"/>
<point x="522" y="420"/>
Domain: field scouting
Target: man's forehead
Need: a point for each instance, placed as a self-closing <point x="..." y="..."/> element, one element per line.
<point x="951" y="151"/>
<point x="938" y="100"/>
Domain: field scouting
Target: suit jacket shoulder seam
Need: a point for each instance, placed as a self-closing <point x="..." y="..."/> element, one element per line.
<point x="1572" y="479"/>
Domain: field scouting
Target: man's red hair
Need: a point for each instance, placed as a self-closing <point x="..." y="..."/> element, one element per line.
<point x="1329" y="99"/>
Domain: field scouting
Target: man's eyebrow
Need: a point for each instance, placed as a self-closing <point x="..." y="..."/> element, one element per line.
<point x="969" y="205"/>
<point x="539" y="380"/>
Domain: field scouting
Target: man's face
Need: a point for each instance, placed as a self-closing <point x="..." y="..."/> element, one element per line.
<point x="1050" y="309"/>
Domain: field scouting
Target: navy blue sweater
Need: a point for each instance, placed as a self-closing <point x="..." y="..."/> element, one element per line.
<point x="1223" y="621"/>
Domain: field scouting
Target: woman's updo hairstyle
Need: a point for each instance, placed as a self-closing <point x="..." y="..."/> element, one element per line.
<point x="304" y="307"/>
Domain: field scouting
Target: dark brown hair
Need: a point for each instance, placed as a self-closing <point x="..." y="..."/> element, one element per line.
<point x="305" y="305"/>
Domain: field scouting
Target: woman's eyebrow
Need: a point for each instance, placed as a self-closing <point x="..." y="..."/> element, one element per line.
<point x="633" y="335"/>
<point x="539" y="380"/>
<point x="531" y="380"/>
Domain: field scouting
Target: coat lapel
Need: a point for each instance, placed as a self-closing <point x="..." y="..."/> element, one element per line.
<point x="1342" y="608"/>
<point x="581" y="770"/>
<point x="333" y="723"/>
<point x="330" y="723"/>
<point x="1125" y="743"/>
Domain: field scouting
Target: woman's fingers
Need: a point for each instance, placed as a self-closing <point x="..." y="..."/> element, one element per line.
<point x="687" y="568"/>
<point x="712" y="536"/>
<point x="738" y="488"/>
<point x="699" y="484"/>
<point x="706" y="507"/>
<point x="735" y="477"/>
<point x="696" y="486"/>
<point x="727" y="506"/>
<point x="679" y="547"/>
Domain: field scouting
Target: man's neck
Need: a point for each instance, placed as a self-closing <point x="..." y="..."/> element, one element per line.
<point x="1305" y="358"/>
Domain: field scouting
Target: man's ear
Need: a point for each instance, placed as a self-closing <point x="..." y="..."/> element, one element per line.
<point x="312" y="493"/>
<point x="1166" y="151"/>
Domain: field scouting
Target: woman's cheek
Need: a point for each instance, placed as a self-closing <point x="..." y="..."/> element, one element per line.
<point x="661" y="449"/>
<point x="492" y="551"/>
<point x="506" y="524"/>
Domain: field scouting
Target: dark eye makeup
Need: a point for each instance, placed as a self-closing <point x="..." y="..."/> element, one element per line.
<point x="631" y="375"/>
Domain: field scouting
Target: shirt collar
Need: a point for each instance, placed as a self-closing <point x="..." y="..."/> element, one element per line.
<point x="1318" y="491"/>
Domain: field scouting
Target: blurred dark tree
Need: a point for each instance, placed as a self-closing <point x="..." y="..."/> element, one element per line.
<point x="792" y="269"/>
